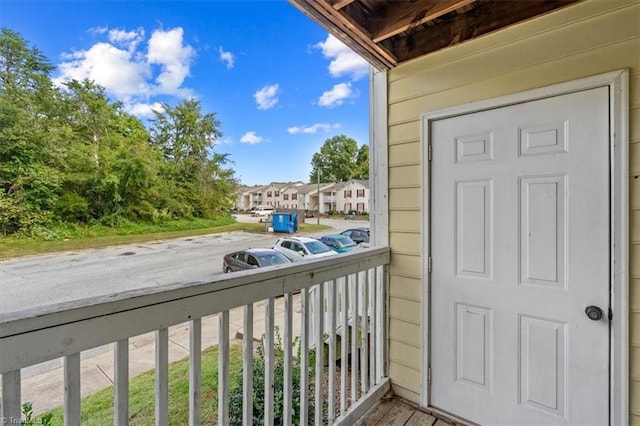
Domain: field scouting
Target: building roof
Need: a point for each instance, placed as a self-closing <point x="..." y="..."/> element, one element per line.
<point x="300" y="187"/>
<point x="313" y="187"/>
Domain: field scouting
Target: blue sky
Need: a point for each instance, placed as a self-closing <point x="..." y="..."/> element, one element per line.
<point x="278" y="83"/>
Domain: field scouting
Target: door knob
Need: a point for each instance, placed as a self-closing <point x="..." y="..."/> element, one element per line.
<point x="594" y="313"/>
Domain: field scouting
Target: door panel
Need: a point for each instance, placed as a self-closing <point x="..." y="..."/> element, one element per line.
<point x="520" y="247"/>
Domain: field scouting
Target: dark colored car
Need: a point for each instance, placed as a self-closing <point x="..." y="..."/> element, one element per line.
<point x="252" y="258"/>
<point x="359" y="235"/>
<point x="338" y="242"/>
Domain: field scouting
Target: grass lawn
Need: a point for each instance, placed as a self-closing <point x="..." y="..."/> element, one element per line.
<point x="100" y="236"/>
<point x="97" y="409"/>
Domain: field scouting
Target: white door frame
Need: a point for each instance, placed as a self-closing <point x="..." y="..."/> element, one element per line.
<point x="618" y="84"/>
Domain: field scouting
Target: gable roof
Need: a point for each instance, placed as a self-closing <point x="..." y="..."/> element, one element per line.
<point x="313" y="187"/>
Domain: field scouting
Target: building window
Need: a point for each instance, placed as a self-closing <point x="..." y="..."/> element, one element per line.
<point x="268" y="193"/>
<point x="347" y="207"/>
<point x="294" y="196"/>
<point x="360" y="207"/>
<point x="347" y="193"/>
<point x="285" y="197"/>
<point x="277" y="193"/>
<point x="360" y="193"/>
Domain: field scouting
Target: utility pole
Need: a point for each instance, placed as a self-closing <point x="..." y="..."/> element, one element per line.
<point x="318" y="196"/>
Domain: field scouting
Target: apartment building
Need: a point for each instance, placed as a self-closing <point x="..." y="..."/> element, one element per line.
<point x="341" y="197"/>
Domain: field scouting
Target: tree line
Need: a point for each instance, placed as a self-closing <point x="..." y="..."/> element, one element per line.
<point x="71" y="156"/>
<point x="68" y="154"/>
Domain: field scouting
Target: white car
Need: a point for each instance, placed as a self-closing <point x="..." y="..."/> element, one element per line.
<point x="299" y="248"/>
<point x="262" y="211"/>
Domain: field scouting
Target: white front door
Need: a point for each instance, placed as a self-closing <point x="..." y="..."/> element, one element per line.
<point x="520" y="248"/>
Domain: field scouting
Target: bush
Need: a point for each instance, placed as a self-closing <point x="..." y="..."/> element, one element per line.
<point x="235" y="394"/>
<point x="21" y="219"/>
<point x="72" y="207"/>
<point x="29" y="420"/>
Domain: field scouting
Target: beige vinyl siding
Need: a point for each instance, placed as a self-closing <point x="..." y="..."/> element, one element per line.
<point x="406" y="288"/>
<point x="405" y="176"/>
<point x="589" y="38"/>
<point x="408" y="221"/>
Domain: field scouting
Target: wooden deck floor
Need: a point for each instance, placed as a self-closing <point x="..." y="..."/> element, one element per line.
<point x="395" y="411"/>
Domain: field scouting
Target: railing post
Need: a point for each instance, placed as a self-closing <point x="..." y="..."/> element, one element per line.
<point x="331" y="300"/>
<point x="353" y="290"/>
<point x="269" y="361"/>
<point x="121" y="387"/>
<point x="247" y="366"/>
<point x="11" y="403"/>
<point x="381" y="282"/>
<point x="344" y="348"/>
<point x="375" y="323"/>
<point x="304" y="358"/>
<point x="195" y="368"/>
<point x="287" y="410"/>
<point x="223" y="368"/>
<point x="162" y="377"/>
<point x="72" y="389"/>
<point x="363" y="283"/>
<point x="319" y="395"/>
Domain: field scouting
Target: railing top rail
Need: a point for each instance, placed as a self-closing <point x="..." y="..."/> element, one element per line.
<point x="169" y="305"/>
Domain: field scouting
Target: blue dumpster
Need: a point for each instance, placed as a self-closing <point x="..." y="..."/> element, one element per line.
<point x="284" y="222"/>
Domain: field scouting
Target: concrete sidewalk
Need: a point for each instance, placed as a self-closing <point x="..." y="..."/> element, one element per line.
<point x="43" y="384"/>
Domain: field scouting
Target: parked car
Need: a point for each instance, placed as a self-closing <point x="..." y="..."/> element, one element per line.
<point x="298" y="248"/>
<point x="262" y="211"/>
<point x="359" y="235"/>
<point x="252" y="258"/>
<point x="339" y="243"/>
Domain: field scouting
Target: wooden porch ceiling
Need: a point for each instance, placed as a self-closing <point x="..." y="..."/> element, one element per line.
<point x="390" y="32"/>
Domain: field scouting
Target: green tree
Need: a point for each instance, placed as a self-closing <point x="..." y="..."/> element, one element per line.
<point x="195" y="176"/>
<point x="339" y="159"/>
<point x="111" y="172"/>
<point x="362" y="163"/>
<point x="29" y="179"/>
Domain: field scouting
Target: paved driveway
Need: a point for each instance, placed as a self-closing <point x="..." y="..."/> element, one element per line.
<point x="48" y="279"/>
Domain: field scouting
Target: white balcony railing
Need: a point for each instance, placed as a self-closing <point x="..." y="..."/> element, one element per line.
<point x="342" y="299"/>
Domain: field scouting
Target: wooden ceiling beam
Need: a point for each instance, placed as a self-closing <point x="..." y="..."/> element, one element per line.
<point x="339" y="4"/>
<point x="485" y="17"/>
<point x="322" y="12"/>
<point x="398" y="17"/>
<point x="351" y="27"/>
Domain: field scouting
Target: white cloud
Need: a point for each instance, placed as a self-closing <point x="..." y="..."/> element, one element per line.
<point x="267" y="97"/>
<point x="312" y="129"/>
<point x="115" y="69"/>
<point x="252" y="138"/>
<point x="167" y="50"/>
<point x="98" y="30"/>
<point x="225" y="141"/>
<point x="144" y="109"/>
<point x="336" y="96"/>
<point x="226" y="57"/>
<point x="128" y="39"/>
<point x="344" y="61"/>
<point x="128" y="72"/>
